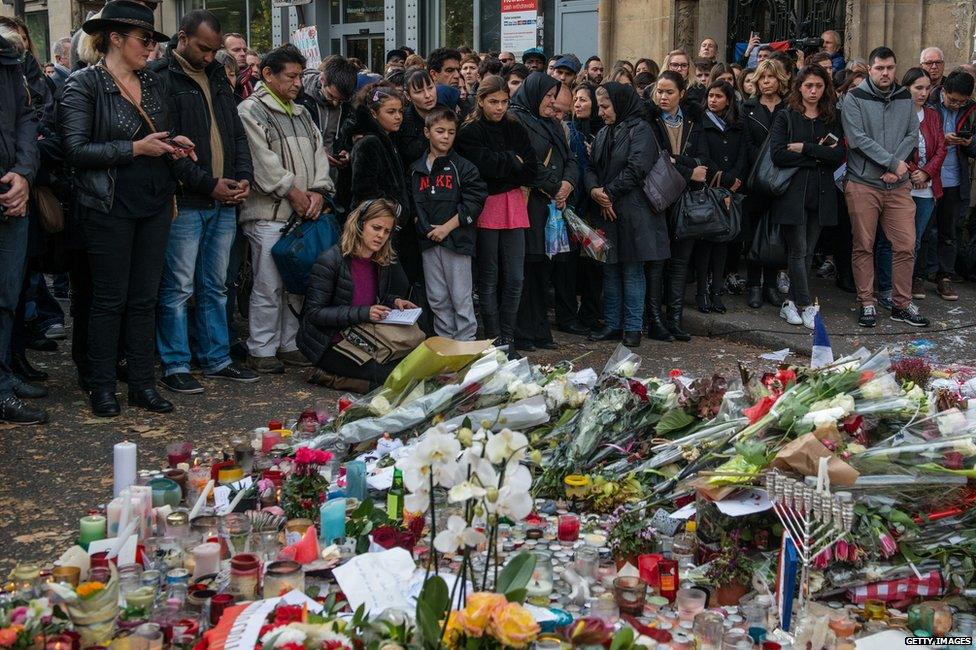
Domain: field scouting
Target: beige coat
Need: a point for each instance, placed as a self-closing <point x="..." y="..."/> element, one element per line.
<point x="286" y="151"/>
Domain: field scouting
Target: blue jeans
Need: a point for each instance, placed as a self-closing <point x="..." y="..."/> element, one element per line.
<point x="196" y="265"/>
<point x="13" y="251"/>
<point x="623" y="296"/>
<point x="882" y="247"/>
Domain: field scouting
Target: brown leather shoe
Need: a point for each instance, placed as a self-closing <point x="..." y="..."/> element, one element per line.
<point x="335" y="382"/>
<point x="945" y="290"/>
<point x="293" y="358"/>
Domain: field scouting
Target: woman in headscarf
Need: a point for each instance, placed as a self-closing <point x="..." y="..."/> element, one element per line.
<point x="556" y="171"/>
<point x="583" y="127"/>
<point x="624" y="152"/>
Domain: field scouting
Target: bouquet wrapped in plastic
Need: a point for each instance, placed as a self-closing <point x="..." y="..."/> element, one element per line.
<point x="92" y="608"/>
<point x="592" y="242"/>
<point x="557" y="238"/>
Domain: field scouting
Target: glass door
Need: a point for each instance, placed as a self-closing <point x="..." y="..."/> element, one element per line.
<point x="369" y="50"/>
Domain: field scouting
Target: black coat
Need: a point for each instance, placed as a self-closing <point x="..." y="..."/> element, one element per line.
<point x="328" y="301"/>
<point x="812" y="188"/>
<point x="409" y="139"/>
<point x="689" y="155"/>
<point x="555" y="161"/>
<point x="725" y="151"/>
<point x="452" y="187"/>
<point x="757" y="121"/>
<point x="639" y="234"/>
<point x="495" y="148"/>
<point x="18" y="123"/>
<point x="377" y="172"/>
<point x="97" y="126"/>
<point x="190" y="116"/>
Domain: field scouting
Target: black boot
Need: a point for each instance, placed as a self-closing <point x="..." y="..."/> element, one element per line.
<point x="150" y="400"/>
<point x="755" y="297"/>
<point x="489" y="325"/>
<point x="104" y="404"/>
<point x="702" y="302"/>
<point x="21" y="366"/>
<point x="632" y="340"/>
<point x="606" y="333"/>
<point x="676" y="291"/>
<point x="715" y="303"/>
<point x="655" y="315"/>
<point x="772" y="296"/>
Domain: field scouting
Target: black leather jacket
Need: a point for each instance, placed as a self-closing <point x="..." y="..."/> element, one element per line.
<point x="97" y="126"/>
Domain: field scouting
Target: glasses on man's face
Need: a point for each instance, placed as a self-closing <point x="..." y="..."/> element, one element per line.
<point x="933" y="63"/>
<point x="678" y="66"/>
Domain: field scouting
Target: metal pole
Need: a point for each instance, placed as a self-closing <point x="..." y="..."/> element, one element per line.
<point x="19" y="10"/>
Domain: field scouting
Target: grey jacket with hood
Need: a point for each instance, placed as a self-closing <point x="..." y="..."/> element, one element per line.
<point x="881" y="130"/>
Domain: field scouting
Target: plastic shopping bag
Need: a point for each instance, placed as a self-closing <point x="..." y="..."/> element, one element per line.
<point x="557" y="237"/>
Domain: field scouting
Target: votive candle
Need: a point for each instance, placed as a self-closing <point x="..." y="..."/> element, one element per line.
<point x="124" y="465"/>
<point x="92" y="529"/>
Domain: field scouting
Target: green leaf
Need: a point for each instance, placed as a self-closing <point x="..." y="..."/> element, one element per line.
<point x="436" y="595"/>
<point x="623" y="639"/>
<point x="516" y="574"/>
<point x="430" y="629"/>
<point x="466" y="423"/>
<point x="672" y="421"/>
<point x="516" y="595"/>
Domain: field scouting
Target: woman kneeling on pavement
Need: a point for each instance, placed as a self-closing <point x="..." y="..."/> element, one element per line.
<point x="356" y="281"/>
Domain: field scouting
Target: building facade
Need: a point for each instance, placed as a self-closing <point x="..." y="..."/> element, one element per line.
<point x="616" y="29"/>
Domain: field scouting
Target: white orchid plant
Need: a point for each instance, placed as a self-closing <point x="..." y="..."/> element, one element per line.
<point x="484" y="473"/>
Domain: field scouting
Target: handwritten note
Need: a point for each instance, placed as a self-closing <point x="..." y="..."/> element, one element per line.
<point x="377" y="580"/>
<point x="402" y="316"/>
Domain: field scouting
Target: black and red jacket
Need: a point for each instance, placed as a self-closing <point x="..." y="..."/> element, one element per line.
<point x="452" y="186"/>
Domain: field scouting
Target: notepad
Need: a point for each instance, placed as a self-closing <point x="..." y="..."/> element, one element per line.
<point x="402" y="316"/>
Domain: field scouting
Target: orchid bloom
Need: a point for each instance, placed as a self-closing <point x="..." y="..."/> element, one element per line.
<point x="456" y="535"/>
<point x="506" y="446"/>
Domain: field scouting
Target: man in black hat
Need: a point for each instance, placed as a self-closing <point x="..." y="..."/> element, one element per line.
<point x="567" y="67"/>
<point x="534" y="59"/>
<point x="202" y="107"/>
<point x="19" y="160"/>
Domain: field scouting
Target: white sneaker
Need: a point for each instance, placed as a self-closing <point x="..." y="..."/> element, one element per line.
<point x="809" y="313"/>
<point x="788" y="313"/>
<point x="783" y="282"/>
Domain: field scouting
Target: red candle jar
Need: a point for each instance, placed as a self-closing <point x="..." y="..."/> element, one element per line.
<point x="275" y="425"/>
<point x="98" y="560"/>
<point x="245" y="574"/>
<point x="569" y="527"/>
<point x="178" y="452"/>
<point x="218" y="604"/>
<point x="275" y="476"/>
<point x="668" y="577"/>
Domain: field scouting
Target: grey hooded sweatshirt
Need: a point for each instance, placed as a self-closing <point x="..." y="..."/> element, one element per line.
<point x="881" y="130"/>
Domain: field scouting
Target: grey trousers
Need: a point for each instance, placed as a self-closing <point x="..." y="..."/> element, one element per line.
<point x="447" y="276"/>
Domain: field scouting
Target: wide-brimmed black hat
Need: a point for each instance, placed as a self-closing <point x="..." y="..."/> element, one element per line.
<point x="122" y="14"/>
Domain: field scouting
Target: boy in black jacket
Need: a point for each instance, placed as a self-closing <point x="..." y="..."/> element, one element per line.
<point x="448" y="194"/>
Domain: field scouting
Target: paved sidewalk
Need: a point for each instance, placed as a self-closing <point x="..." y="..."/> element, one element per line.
<point x="953" y="328"/>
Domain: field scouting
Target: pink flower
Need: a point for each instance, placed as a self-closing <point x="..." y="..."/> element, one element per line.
<point x="888" y="545"/>
<point x="842" y="551"/>
<point x="822" y="560"/>
<point x="309" y="456"/>
<point x="18" y="615"/>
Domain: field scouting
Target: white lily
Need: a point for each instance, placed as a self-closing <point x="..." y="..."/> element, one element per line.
<point x="514" y="500"/>
<point x="456" y="535"/>
<point x="506" y="446"/>
<point x="418" y="500"/>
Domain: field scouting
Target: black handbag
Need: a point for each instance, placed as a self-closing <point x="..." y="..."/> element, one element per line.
<point x="664" y="184"/>
<point x="768" y="246"/>
<point x="734" y="209"/>
<point x="701" y="214"/>
<point x="765" y="177"/>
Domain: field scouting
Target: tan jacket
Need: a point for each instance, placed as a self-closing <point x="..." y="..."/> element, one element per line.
<point x="286" y="151"/>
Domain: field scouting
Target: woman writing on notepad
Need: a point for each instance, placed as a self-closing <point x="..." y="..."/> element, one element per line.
<point x="356" y="281"/>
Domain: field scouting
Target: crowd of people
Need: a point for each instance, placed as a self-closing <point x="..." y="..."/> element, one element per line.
<point x="148" y="178"/>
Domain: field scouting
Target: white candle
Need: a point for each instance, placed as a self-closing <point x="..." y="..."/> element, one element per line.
<point x="125" y="465"/>
<point x="201" y="500"/>
<point x="206" y="559"/>
<point x="124" y="535"/>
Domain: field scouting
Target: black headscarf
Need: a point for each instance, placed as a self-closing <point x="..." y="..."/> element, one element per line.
<point x="626" y="102"/>
<point x="530" y="93"/>
<point x="592" y="124"/>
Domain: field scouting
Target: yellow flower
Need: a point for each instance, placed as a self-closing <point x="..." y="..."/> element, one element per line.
<point x="89" y="589"/>
<point x="513" y="626"/>
<point x="478" y="610"/>
<point x="454" y="633"/>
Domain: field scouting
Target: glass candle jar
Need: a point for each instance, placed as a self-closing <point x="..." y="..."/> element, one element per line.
<point x="689" y="602"/>
<point x="281" y="577"/>
<point x="66" y="574"/>
<point x="586" y="562"/>
<point x="245" y="572"/>
<point x="568" y="529"/>
<point x="875" y="610"/>
<point x="236" y="529"/>
<point x="178" y="476"/>
<point x="540" y="584"/>
<point x="178" y="524"/>
<point x="196" y="480"/>
<point x="605" y="608"/>
<point x="629" y="592"/>
<point x="737" y="640"/>
<point x="709" y="628"/>
<point x="266" y="544"/>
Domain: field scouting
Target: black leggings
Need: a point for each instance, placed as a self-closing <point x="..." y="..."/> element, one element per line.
<point x="710" y="258"/>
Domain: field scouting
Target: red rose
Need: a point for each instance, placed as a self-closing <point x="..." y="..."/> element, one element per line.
<point x="674" y="373"/>
<point x="639" y="389"/>
<point x="385" y="536"/>
<point x="416" y="527"/>
<point x="344" y="403"/>
<point x="761" y="408"/>
<point x="952" y="460"/>
<point x="285" y="614"/>
<point x="853" y="423"/>
<point x="406" y="540"/>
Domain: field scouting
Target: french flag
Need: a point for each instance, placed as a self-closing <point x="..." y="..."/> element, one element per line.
<point x="822" y="354"/>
